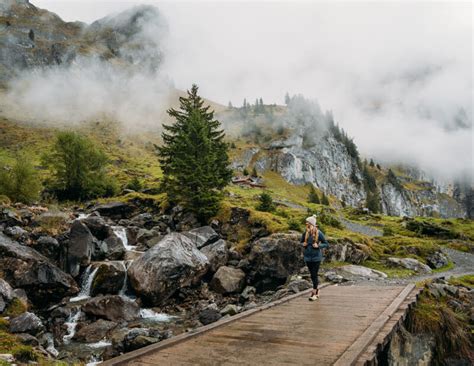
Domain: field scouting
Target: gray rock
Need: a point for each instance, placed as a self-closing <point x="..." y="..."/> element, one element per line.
<point x="437" y="260"/>
<point x="273" y="259"/>
<point x="141" y="341"/>
<point x="112" y="307"/>
<point x="115" y="248"/>
<point x="202" y="236"/>
<point x="228" y="280"/>
<point x="409" y="263"/>
<point x="208" y="316"/>
<point x="25" y="268"/>
<point x="16" y="232"/>
<point x="49" y="247"/>
<point x="79" y="248"/>
<point x="98" y="226"/>
<point x="299" y="285"/>
<point x="217" y="254"/>
<point x="173" y="263"/>
<point x="344" y="250"/>
<point x="26" y="323"/>
<point x="352" y="270"/>
<point x="27" y="339"/>
<point x="229" y="309"/>
<point x="6" y="291"/>
<point x="117" y="210"/>
<point x="3" y="305"/>
<point x="334" y="277"/>
<point x="94" y="332"/>
<point x="109" y="277"/>
<point x="248" y="294"/>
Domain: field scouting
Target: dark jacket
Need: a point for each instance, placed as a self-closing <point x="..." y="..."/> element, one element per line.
<point x="314" y="254"/>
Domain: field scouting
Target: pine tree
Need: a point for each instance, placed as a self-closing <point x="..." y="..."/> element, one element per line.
<point x="194" y="158"/>
<point x="372" y="163"/>
<point x="265" y="203"/>
<point x="287" y="98"/>
<point x="245" y="103"/>
<point x="373" y="202"/>
<point x="261" y="104"/>
<point x="313" y="196"/>
<point x="325" y="200"/>
<point x="230" y="106"/>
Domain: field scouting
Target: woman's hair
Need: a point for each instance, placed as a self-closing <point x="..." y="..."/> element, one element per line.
<point x="311" y="232"/>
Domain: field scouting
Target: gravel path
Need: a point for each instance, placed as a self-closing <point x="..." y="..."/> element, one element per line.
<point x="359" y="228"/>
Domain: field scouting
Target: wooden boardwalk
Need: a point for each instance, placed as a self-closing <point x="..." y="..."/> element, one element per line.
<point x="341" y="328"/>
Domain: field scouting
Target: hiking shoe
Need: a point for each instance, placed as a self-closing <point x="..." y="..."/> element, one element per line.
<point x="313" y="297"/>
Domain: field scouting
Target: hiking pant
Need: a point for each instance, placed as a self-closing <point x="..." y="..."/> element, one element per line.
<point x="313" y="270"/>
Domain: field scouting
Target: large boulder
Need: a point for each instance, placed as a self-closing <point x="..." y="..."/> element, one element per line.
<point x="202" y="236"/>
<point x="109" y="278"/>
<point x="217" y="254"/>
<point x="25" y="268"/>
<point x="173" y="263"/>
<point x="273" y="259"/>
<point x="409" y="263"/>
<point x="344" y="250"/>
<point x="94" y="332"/>
<point x="80" y="248"/>
<point x="115" y="248"/>
<point x="112" y="307"/>
<point x="6" y="294"/>
<point x="352" y="271"/>
<point x="228" y="280"/>
<point x="97" y="226"/>
<point x="26" y="323"/>
<point x="116" y="210"/>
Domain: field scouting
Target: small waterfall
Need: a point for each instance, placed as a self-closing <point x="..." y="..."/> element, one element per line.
<point x="86" y="285"/>
<point x="71" y="324"/>
<point x="82" y="216"/>
<point x="94" y="360"/>
<point x="123" y="290"/>
<point x="121" y="233"/>
<point x="51" y="349"/>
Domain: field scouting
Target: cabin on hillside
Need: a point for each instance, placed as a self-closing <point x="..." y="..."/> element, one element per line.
<point x="248" y="181"/>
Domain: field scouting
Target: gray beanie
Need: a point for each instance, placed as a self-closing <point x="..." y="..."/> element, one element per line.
<point x="311" y="220"/>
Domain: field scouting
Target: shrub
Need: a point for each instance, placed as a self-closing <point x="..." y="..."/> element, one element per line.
<point x="313" y="196"/>
<point x="294" y="224"/>
<point x="135" y="184"/>
<point x="387" y="231"/>
<point x="20" y="183"/>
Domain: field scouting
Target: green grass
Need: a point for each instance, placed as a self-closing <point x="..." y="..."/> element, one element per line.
<point x="466" y="281"/>
<point x="392" y="272"/>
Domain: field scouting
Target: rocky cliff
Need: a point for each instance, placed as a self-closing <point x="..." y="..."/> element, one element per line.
<point x="35" y="38"/>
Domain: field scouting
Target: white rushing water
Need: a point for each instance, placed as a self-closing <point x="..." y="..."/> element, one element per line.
<point x="121" y="233"/>
<point x="51" y="349"/>
<point x="82" y="216"/>
<point x="87" y="279"/>
<point x="123" y="291"/>
<point x="101" y="344"/>
<point x="94" y="360"/>
<point x="71" y="324"/>
<point x="153" y="315"/>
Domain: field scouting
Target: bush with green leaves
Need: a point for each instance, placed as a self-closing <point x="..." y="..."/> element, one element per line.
<point x="79" y="169"/>
<point x="325" y="200"/>
<point x="135" y="184"/>
<point x="313" y="195"/>
<point x="265" y="203"/>
<point x="20" y="182"/>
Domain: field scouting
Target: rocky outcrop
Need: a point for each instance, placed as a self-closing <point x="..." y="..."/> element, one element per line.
<point x="228" y="280"/>
<point x="273" y="259"/>
<point x="352" y="271"/>
<point x="409" y="263"/>
<point x="437" y="260"/>
<point x="115" y="210"/>
<point x="173" y="263"/>
<point x="49" y="247"/>
<point x="79" y="249"/>
<point x="25" y="268"/>
<point x="112" y="307"/>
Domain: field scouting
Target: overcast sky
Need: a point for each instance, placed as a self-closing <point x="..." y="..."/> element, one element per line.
<point x="397" y="76"/>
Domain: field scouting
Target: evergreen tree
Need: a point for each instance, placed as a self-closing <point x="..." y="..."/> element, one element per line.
<point x="79" y="169"/>
<point x="313" y="196"/>
<point x="373" y="202"/>
<point x="20" y="182"/>
<point x="372" y="163"/>
<point x="261" y="104"/>
<point x="287" y="98"/>
<point x="245" y="172"/>
<point x="325" y="200"/>
<point x="265" y="203"/>
<point x="369" y="180"/>
<point x="245" y="103"/>
<point x="194" y="158"/>
<point x="393" y="180"/>
<point x="230" y="106"/>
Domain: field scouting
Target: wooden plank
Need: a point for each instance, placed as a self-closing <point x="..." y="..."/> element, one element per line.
<point x="350" y="356"/>
<point x="123" y="359"/>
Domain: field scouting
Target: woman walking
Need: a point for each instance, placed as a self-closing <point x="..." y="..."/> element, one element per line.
<point x="313" y="241"/>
